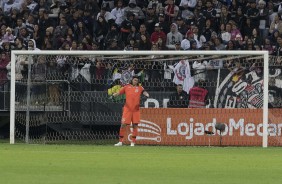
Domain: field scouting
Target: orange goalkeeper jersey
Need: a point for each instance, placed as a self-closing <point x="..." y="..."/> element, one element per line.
<point x="132" y="96"/>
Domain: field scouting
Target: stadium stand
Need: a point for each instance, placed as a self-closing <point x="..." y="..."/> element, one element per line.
<point x="135" y="25"/>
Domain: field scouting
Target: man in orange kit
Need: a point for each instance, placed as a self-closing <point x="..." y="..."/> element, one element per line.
<point x="131" y="112"/>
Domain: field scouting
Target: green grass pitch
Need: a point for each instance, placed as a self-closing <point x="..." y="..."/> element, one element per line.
<point x="83" y="164"/>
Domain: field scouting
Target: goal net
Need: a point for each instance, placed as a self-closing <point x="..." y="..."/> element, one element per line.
<point x="66" y="97"/>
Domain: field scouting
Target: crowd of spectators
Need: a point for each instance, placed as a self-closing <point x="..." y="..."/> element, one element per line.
<point x="140" y="25"/>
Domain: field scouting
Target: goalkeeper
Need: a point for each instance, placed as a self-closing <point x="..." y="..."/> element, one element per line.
<point x="131" y="112"/>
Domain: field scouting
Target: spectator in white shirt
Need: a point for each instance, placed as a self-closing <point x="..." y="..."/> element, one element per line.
<point x="109" y="17"/>
<point x="173" y="36"/>
<point x="9" y="5"/>
<point x="200" y="39"/>
<point x="118" y="13"/>
<point x="187" y="7"/>
<point x="226" y="36"/>
<point x="185" y="43"/>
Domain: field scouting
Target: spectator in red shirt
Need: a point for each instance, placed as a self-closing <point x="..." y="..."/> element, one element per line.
<point x="158" y="33"/>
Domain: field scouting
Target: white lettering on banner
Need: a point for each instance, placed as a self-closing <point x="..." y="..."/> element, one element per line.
<point x="191" y="130"/>
<point x="156" y="103"/>
<point x="272" y="129"/>
<point x="185" y="128"/>
<point x="168" y="125"/>
<point x="246" y="129"/>
<point x="225" y="132"/>
<point x="151" y="100"/>
<point x="210" y="126"/>
<point x="279" y="127"/>
<point x="165" y="101"/>
<point x="182" y="128"/>
<point x="240" y="124"/>
<point x="259" y="129"/>
<point x="250" y="128"/>
<point x="199" y="129"/>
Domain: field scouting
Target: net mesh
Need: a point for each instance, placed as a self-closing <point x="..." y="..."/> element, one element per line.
<point x="71" y="99"/>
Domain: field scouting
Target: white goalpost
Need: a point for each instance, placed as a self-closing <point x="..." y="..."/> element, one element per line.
<point x="119" y="57"/>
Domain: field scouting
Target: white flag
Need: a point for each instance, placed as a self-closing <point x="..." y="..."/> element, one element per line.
<point x="182" y="75"/>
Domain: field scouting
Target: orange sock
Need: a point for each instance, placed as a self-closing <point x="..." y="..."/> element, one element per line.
<point x="121" y="134"/>
<point x="134" y="134"/>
